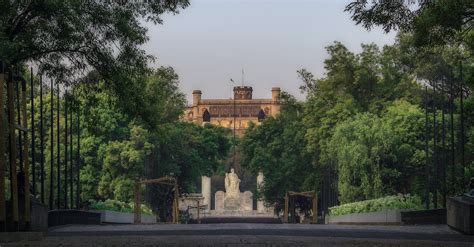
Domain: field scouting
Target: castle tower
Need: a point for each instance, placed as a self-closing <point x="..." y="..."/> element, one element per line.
<point x="243" y="93"/>
<point x="196" y="101"/>
<point x="275" y="101"/>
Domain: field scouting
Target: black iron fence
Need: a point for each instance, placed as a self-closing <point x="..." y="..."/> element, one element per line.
<point x="23" y="141"/>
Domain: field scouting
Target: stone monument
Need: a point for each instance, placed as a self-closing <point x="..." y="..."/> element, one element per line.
<point x="232" y="198"/>
<point x="233" y="202"/>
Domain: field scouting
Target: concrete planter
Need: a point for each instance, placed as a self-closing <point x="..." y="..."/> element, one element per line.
<point x="107" y="216"/>
<point x="381" y="217"/>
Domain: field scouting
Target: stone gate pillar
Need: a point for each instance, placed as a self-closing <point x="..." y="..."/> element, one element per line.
<point x="260" y="206"/>
<point x="206" y="191"/>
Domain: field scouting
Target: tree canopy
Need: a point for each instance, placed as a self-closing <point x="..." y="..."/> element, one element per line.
<point x="70" y="38"/>
<point x="431" y="22"/>
<point x="277" y="148"/>
<point x="361" y="130"/>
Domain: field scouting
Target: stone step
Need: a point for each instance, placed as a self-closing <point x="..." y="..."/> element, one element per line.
<point x="263" y="220"/>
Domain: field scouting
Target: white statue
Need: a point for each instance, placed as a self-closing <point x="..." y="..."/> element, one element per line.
<point x="232" y="183"/>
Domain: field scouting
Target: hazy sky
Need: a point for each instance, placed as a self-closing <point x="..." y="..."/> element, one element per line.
<point x="211" y="41"/>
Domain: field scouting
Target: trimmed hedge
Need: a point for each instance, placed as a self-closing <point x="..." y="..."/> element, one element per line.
<point x="118" y="206"/>
<point x="389" y="202"/>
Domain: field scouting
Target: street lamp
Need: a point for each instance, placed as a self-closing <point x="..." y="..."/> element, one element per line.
<point x="233" y="114"/>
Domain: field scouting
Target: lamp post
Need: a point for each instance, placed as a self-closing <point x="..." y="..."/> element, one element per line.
<point x="233" y="114"/>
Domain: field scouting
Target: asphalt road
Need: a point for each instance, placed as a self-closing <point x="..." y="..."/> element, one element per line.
<point x="438" y="233"/>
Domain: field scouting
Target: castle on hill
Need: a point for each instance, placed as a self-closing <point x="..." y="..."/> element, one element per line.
<point x="236" y="113"/>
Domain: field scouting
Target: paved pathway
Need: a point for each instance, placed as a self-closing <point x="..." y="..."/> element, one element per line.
<point x="253" y="235"/>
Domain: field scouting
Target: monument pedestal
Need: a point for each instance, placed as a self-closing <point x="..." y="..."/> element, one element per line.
<point x="241" y="206"/>
<point x="460" y="214"/>
<point x="225" y="202"/>
<point x="234" y="204"/>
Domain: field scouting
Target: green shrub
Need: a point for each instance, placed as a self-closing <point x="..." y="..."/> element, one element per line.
<point x="389" y="202"/>
<point x="118" y="206"/>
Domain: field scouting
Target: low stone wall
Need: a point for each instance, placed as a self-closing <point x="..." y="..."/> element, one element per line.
<point x="71" y="216"/>
<point x="429" y="216"/>
<point x="381" y="217"/>
<point x="107" y="216"/>
<point x="460" y="214"/>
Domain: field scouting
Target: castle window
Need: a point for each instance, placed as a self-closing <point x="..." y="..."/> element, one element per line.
<point x="206" y="116"/>
<point x="261" y="115"/>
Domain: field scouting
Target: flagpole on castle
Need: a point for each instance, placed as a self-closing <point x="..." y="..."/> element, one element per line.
<point x="233" y="96"/>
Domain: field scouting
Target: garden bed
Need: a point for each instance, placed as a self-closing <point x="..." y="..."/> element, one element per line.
<point x="384" y="210"/>
<point x="108" y="216"/>
<point x="384" y="217"/>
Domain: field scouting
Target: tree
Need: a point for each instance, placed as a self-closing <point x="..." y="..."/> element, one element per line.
<point x="186" y="151"/>
<point x="276" y="147"/>
<point x="68" y="39"/>
<point x="364" y="83"/>
<point x="124" y="163"/>
<point x="368" y="81"/>
<point x="430" y="21"/>
<point x="116" y="142"/>
<point x="159" y="99"/>
<point x="379" y="156"/>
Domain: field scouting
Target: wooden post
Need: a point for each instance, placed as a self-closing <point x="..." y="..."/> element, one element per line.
<point x="173" y="211"/>
<point x="176" y="204"/>
<point x="2" y="152"/>
<point x="292" y="210"/>
<point x="137" y="218"/>
<point x="18" y="119"/>
<point x="315" y="208"/>
<point x="199" y="209"/>
<point x="13" y="175"/>
<point x="285" y="213"/>
<point x="26" y="144"/>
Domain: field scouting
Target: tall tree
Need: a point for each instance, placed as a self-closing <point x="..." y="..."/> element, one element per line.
<point x="379" y="156"/>
<point x="69" y="38"/>
<point x="276" y="147"/>
<point x="431" y="22"/>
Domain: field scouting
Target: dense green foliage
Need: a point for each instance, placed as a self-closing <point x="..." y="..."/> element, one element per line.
<point x="118" y="206"/>
<point x="276" y="147"/>
<point x="123" y="149"/>
<point x="118" y="148"/>
<point x="389" y="202"/>
<point x="71" y="37"/>
<point x="117" y="144"/>
<point x="187" y="151"/>
<point x="364" y="122"/>
<point x="441" y="21"/>
<point x="376" y="156"/>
